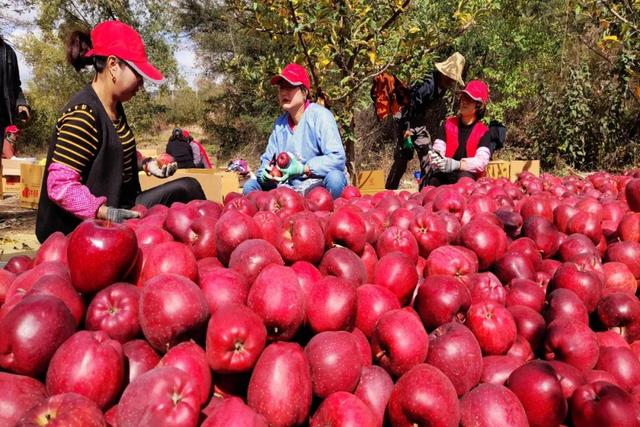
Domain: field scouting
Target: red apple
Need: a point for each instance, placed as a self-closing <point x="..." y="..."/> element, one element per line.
<point x="251" y="256"/>
<point x="632" y="193"/>
<point x="52" y="249"/>
<point x="396" y="272"/>
<point x="18" y="264"/>
<point x="334" y="361"/>
<point x="331" y="305"/>
<point x="90" y="364"/>
<point x="233" y="228"/>
<point x="169" y="258"/>
<point x="602" y="404"/>
<point x="223" y="286"/>
<point x="372" y="302"/>
<point x="18" y="394"/>
<point x="346" y="228"/>
<point x="343" y="263"/>
<point x="487" y="240"/>
<point x="585" y="284"/>
<point x="493" y="327"/>
<point x="399" y="341"/>
<point x="166" y="324"/>
<point x="280" y="387"/>
<point x="141" y="357"/>
<point x="569" y="376"/>
<point x="442" y="299"/>
<point x="619" y="277"/>
<point x="235" y="338"/>
<point x="491" y="405"/>
<point x="565" y="303"/>
<point x="455" y="351"/>
<point x="573" y="342"/>
<point x="276" y="296"/>
<point x="231" y="412"/>
<point x="430" y="231"/>
<point x="424" y="396"/>
<point x="540" y="392"/>
<point x="62" y="288"/>
<point x="395" y="239"/>
<point x="622" y="364"/>
<point x="529" y="324"/>
<point x="374" y="389"/>
<point x="190" y="358"/>
<point x="114" y="310"/>
<point x="31" y="333"/>
<point x="496" y="369"/>
<point x="161" y="396"/>
<point x="67" y="409"/>
<point x="344" y="409"/>
<point x="100" y="253"/>
<point x="319" y="199"/>
<point x="301" y="239"/>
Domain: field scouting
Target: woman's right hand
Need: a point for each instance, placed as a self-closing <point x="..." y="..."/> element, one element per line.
<point x="116" y="215"/>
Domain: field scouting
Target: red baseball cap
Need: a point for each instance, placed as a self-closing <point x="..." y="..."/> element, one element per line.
<point x="477" y="90"/>
<point x="120" y="40"/>
<point x="295" y="75"/>
<point x="11" y="129"/>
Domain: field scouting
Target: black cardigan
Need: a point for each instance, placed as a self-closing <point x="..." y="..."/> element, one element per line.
<point x="103" y="177"/>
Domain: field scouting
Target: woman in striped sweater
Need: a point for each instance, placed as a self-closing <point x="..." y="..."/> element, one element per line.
<point x="92" y="164"/>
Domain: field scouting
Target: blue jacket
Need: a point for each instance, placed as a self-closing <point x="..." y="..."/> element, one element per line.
<point x="316" y="142"/>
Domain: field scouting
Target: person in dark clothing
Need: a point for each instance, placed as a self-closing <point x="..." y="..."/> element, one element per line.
<point x="421" y="118"/>
<point x="463" y="145"/>
<point x="92" y="164"/>
<point x="179" y="147"/>
<point x="12" y="101"/>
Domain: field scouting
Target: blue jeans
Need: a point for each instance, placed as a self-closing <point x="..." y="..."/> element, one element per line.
<point x="334" y="182"/>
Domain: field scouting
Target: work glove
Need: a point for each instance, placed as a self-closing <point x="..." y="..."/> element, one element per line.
<point x="151" y="167"/>
<point x="264" y="176"/>
<point x="407" y="143"/>
<point x="119" y="215"/>
<point x="446" y="164"/>
<point x="294" y="169"/>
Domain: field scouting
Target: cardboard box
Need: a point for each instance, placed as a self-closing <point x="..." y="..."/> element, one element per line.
<point x="518" y="166"/>
<point x="11" y="173"/>
<point x="370" y="181"/>
<point x="215" y="184"/>
<point x="499" y="169"/>
<point x="30" y="185"/>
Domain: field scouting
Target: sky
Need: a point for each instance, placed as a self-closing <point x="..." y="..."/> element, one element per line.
<point x="185" y="54"/>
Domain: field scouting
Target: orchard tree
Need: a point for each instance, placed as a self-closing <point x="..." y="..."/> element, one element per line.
<point x="342" y="43"/>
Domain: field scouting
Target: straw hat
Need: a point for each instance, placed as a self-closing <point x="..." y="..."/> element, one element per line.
<point x="452" y="67"/>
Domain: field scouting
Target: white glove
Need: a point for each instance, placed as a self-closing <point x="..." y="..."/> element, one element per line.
<point x="446" y="164"/>
<point x="151" y="167"/>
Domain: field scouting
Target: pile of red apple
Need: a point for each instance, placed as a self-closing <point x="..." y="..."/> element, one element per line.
<point x="485" y="303"/>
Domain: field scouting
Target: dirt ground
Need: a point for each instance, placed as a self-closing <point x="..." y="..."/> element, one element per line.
<point x="17" y="228"/>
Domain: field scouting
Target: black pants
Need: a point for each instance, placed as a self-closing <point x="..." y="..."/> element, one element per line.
<point x="440" y="178"/>
<point x="180" y="190"/>
<point x="402" y="156"/>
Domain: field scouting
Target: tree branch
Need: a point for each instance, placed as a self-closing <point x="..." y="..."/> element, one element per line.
<point x="305" y="50"/>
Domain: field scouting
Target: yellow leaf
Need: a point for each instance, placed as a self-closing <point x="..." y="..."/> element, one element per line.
<point x="413" y="30"/>
<point x="372" y="56"/>
<point x="610" y="38"/>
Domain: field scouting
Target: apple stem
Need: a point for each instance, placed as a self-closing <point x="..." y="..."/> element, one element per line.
<point x="380" y="354"/>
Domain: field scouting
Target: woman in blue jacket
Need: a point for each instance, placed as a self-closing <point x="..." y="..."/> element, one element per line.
<point x="309" y="133"/>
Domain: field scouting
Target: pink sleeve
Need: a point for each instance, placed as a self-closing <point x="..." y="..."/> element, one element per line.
<point x="440" y="146"/>
<point x="65" y="188"/>
<point x="479" y="162"/>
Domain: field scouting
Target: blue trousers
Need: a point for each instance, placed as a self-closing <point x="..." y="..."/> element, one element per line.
<point x="334" y="182"/>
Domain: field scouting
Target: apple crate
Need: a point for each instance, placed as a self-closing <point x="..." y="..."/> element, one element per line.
<point x="370" y="181"/>
<point x="499" y="169"/>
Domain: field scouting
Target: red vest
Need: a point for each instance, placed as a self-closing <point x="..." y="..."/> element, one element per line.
<point x="451" y="135"/>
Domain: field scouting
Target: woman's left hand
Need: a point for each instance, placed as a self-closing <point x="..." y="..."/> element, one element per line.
<point x="151" y="167"/>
